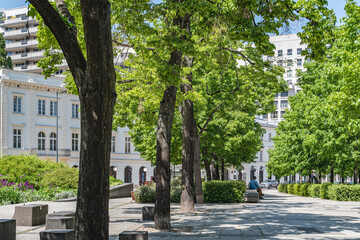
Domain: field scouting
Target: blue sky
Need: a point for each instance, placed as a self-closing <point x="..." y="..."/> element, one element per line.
<point x="337" y="5"/>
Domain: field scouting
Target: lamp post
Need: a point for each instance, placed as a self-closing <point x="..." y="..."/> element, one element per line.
<point x="57" y="124"/>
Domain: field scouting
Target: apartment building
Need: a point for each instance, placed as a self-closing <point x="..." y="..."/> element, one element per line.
<point x="37" y="116"/>
<point x="19" y="31"/>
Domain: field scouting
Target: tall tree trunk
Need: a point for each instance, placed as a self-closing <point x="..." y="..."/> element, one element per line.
<point x="197" y="170"/>
<point x="332" y="174"/>
<point x="207" y="169"/>
<point x="222" y="171"/>
<point x="189" y="135"/>
<point x="214" y="167"/>
<point x="319" y="177"/>
<point x="310" y="180"/>
<point x="355" y="173"/>
<point x="163" y="142"/>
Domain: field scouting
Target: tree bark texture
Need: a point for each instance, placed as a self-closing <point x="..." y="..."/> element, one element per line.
<point x="214" y="167"/>
<point x="188" y="133"/>
<point x="222" y="171"/>
<point x="332" y="175"/>
<point x="197" y="170"/>
<point x="163" y="142"/>
<point x="95" y="80"/>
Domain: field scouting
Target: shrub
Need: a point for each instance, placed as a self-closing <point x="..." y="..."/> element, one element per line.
<point x="145" y="194"/>
<point x="64" y="177"/>
<point x="297" y="187"/>
<point x="324" y="190"/>
<point x="224" y="191"/>
<point x="282" y="188"/>
<point x="342" y="192"/>
<point x="290" y="188"/>
<point x="24" y="168"/>
<point x="175" y="190"/>
<point x="314" y="190"/>
<point x="114" y="181"/>
<point x="304" y="189"/>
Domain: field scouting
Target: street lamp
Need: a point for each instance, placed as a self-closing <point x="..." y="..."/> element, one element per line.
<point x="57" y="124"/>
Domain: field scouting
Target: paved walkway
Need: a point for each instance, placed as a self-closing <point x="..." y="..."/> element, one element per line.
<point x="278" y="216"/>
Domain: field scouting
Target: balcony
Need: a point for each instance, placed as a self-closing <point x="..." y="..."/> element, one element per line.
<point x="20" y="33"/>
<point x="17" y="22"/>
<point x="27" y="56"/>
<point x="47" y="152"/>
<point x="30" y="67"/>
<point x="21" y="45"/>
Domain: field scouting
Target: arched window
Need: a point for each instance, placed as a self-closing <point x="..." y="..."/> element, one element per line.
<point x="252" y="172"/>
<point x="41" y="141"/>
<point x="142" y="175"/>
<point x="53" y="142"/>
<point x="128" y="173"/>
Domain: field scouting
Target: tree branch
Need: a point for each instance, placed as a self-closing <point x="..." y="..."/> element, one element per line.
<point x="65" y="37"/>
<point x="209" y="118"/>
<point x="240" y="53"/>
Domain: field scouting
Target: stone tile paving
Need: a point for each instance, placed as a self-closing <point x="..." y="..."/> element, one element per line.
<point x="279" y="216"/>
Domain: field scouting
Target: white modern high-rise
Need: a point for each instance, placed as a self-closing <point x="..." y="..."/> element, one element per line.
<point x="288" y="55"/>
<point x="19" y="31"/>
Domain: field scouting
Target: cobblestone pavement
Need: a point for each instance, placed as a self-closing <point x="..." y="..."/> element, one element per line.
<point x="278" y="216"/>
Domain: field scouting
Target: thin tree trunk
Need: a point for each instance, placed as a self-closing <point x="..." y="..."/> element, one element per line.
<point x="197" y="169"/>
<point x="222" y="171"/>
<point x="319" y="177"/>
<point x="214" y="167"/>
<point x="332" y="175"/>
<point x="208" y="170"/>
<point x="163" y="135"/>
<point x="355" y="173"/>
<point x="310" y="180"/>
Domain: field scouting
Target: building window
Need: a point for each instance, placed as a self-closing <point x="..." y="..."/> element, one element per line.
<point x="282" y="114"/>
<point x="127" y="145"/>
<point x="17" y="104"/>
<point x="128" y="171"/>
<point x="289" y="73"/>
<point x="113" y="144"/>
<point x="289" y="52"/>
<point x="17" y="138"/>
<point x="264" y="116"/>
<point x="75" y="142"/>
<point x="75" y="110"/>
<point x="280" y="53"/>
<point x="142" y="175"/>
<point x="280" y="63"/>
<point x="284" y="94"/>
<point x="299" y="62"/>
<point x="53" y="108"/>
<point x="274" y="115"/>
<point x="289" y="63"/>
<point x="276" y="104"/>
<point x="41" y="107"/>
<point x="299" y="50"/>
<point x="270" y="136"/>
<point x="284" y="103"/>
<point x="41" y="141"/>
<point x="53" y="142"/>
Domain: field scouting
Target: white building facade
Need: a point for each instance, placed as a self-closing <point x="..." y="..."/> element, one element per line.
<point x="29" y="110"/>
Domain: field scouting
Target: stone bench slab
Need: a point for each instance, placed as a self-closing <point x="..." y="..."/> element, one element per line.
<point x="30" y="215"/>
<point x="60" y="223"/>
<point x="7" y="229"/>
<point x="122" y="190"/>
<point x="251" y="196"/>
<point x="57" y="234"/>
<point x="134" y="235"/>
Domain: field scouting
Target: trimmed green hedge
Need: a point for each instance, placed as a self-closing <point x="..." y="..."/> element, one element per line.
<point x="338" y="192"/>
<point x="224" y="191"/>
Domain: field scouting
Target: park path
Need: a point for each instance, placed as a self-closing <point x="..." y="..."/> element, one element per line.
<point x="278" y="216"/>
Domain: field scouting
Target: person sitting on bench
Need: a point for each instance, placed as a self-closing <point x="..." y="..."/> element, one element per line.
<point x="253" y="185"/>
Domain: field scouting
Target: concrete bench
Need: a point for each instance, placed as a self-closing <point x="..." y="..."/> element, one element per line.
<point x="133" y="235"/>
<point x="122" y="190"/>
<point x="60" y="223"/>
<point x="30" y="215"/>
<point x="251" y="196"/>
<point x="57" y="234"/>
<point x="148" y="213"/>
<point x="7" y="229"/>
<point x="61" y="214"/>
